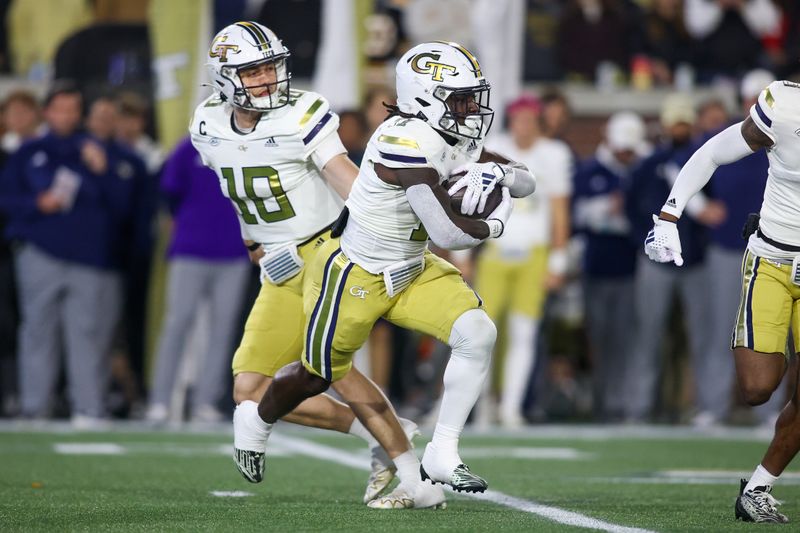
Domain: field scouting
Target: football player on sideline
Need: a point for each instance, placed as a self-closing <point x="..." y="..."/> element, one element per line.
<point x="279" y="159"/>
<point x="770" y="300"/>
<point x="382" y="267"/>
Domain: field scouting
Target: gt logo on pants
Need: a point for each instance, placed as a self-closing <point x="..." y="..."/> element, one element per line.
<point x="358" y="292"/>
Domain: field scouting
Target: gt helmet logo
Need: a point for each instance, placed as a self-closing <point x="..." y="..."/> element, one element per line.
<point x="221" y="50"/>
<point x="430" y="66"/>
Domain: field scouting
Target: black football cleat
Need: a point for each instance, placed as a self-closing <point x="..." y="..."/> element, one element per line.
<point x="758" y="505"/>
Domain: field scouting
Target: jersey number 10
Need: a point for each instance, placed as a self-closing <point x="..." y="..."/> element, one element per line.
<point x="249" y="175"/>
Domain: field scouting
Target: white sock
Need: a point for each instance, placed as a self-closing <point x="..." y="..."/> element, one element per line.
<point x="407" y="467"/>
<point x="445" y="438"/>
<point x="472" y="340"/>
<point x="520" y="358"/>
<point x="250" y="432"/>
<point x="358" y="429"/>
<point x="761" y="478"/>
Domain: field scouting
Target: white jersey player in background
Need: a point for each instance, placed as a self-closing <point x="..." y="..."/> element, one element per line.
<point x="383" y="268"/>
<point x="515" y="272"/>
<point x="279" y="159"/>
<point x="770" y="301"/>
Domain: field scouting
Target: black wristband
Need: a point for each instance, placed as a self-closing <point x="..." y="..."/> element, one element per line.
<point x="253" y="247"/>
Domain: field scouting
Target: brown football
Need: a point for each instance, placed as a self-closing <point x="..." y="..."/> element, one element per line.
<point x="494" y="199"/>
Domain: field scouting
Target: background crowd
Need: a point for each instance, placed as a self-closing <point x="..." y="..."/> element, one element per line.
<point x="124" y="283"/>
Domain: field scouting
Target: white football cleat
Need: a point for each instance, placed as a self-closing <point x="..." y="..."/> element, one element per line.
<point x="449" y="471"/>
<point x="382" y="470"/>
<point x="421" y="495"/>
<point x="250" y="435"/>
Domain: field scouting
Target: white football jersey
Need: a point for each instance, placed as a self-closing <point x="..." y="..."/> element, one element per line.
<point x="268" y="173"/>
<point x="551" y="162"/>
<point x="383" y="229"/>
<point x="777" y="114"/>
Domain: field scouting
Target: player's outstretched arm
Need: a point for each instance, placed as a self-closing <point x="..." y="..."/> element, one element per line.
<point x="519" y="180"/>
<point x="431" y="204"/>
<point x="663" y="243"/>
<point x="728" y="146"/>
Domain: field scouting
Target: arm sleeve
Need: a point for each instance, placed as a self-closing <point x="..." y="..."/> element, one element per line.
<point x="442" y="231"/>
<point x="519" y="180"/>
<point x="726" y="147"/>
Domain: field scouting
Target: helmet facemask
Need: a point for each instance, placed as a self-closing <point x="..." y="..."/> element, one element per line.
<point x="276" y="93"/>
<point x="467" y="112"/>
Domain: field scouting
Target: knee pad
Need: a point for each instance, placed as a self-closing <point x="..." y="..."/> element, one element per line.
<point x="473" y="336"/>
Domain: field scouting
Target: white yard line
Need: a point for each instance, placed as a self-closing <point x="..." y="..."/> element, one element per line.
<point x="231" y="493"/>
<point x="561" y="516"/>
<point x="88" y="448"/>
<point x="572" y="432"/>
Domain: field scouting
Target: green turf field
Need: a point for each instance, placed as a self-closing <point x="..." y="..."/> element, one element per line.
<point x="617" y="479"/>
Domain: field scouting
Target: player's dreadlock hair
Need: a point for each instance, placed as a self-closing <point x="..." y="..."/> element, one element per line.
<point x="394" y="111"/>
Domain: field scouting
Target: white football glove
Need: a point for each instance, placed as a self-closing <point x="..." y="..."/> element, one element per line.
<point x="480" y="180"/>
<point x="663" y="244"/>
<point x="498" y="218"/>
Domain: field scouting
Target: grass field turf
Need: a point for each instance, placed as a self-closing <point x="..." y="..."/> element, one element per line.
<point x="162" y="481"/>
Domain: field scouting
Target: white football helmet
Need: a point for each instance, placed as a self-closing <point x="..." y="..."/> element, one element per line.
<point x="442" y="83"/>
<point x="243" y="45"/>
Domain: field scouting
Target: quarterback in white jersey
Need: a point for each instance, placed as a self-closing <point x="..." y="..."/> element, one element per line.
<point x="279" y="159"/>
<point x="770" y="300"/>
<point x="382" y="267"/>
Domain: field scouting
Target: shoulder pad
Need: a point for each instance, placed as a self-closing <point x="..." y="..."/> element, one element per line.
<point x="313" y="113"/>
<point x="763" y="111"/>
<point x="407" y="142"/>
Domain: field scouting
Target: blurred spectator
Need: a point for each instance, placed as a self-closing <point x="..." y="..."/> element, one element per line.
<point x="516" y="271"/>
<point x="609" y="256"/>
<point x="740" y="188"/>
<point x="667" y="43"/>
<point x="658" y="283"/>
<point x="541" y="45"/>
<point x="597" y="31"/>
<point x="132" y="121"/>
<point x="787" y="58"/>
<point x="133" y="114"/>
<point x="555" y="114"/>
<point x="353" y="133"/>
<point x="498" y="35"/>
<point x="106" y="57"/>
<point x="37" y="27"/>
<point x="102" y="123"/>
<point x="21" y="120"/>
<point x="65" y="198"/>
<point x="207" y="265"/>
<point x="728" y="33"/>
<point x="712" y="115"/>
